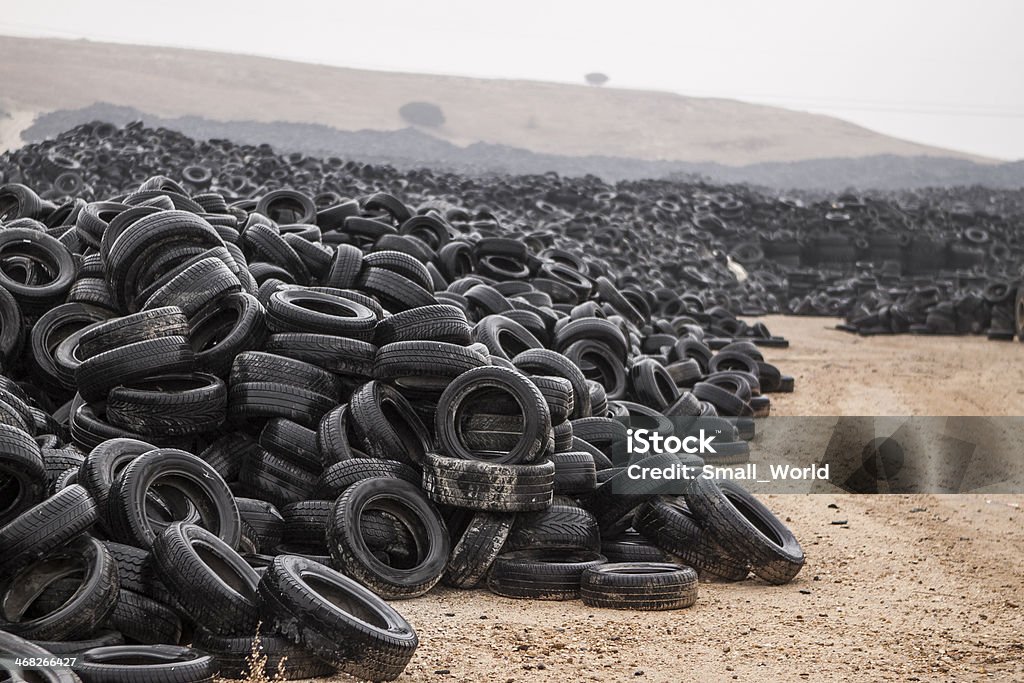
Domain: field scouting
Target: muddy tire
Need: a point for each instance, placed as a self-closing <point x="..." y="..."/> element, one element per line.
<point x="642" y="586"/>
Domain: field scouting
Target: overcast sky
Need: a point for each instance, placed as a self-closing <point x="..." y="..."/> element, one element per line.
<point x="943" y="72"/>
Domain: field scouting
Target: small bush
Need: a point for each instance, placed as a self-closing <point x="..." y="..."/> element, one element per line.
<point x="425" y="114"/>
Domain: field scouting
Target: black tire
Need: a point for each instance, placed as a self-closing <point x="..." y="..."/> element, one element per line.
<point x="733" y="360"/>
<point x="56" y="461"/>
<point x="15" y="413"/>
<point x="488" y="487"/>
<point x="12" y="328"/>
<point x="724" y="401"/>
<point x="332" y="437"/>
<point x="603" y="366"/>
<point x="195" y="286"/>
<point x="478" y="545"/>
<point x="744" y="527"/>
<point x="97" y="375"/>
<point x="643" y="586"/>
<point x="265" y="400"/>
<point x="266" y="244"/>
<point x="338" y="477"/>
<point x="276" y="479"/>
<point x="55" y="260"/>
<point x="178" y="471"/>
<point x="19" y="201"/>
<point x="22" y="473"/>
<point x="293" y="442"/>
<point x="541" y="574"/>
<point x="395" y="292"/>
<point x="299" y="310"/>
<point x="562" y="437"/>
<point x="316" y="256"/>
<point x="315" y="553"/>
<point x="264" y="519"/>
<point x="226" y="328"/>
<point x="441" y="323"/>
<point x="135" y="572"/>
<point x="504" y="337"/>
<point x="257" y="366"/>
<point x="601" y="461"/>
<point x="149" y="663"/>
<point x="347" y="357"/>
<point x="142" y="326"/>
<point x="142" y="619"/>
<point x="535" y="440"/>
<point x="631" y="546"/>
<point x="408" y="504"/>
<point x="305" y="522"/>
<point x="598" y="399"/>
<point x="146" y="249"/>
<point x="91" y="602"/>
<point x="227" y="453"/>
<point x="685" y="373"/>
<point x="560" y="527"/>
<point x="104" y="463"/>
<point x="575" y="472"/>
<point x="605" y="433"/>
<point x="687" y="405"/>
<point x="385" y="424"/>
<point x="388" y="538"/>
<point x="668" y="523"/>
<point x="45" y="527"/>
<point x="345" y="267"/>
<point x="214" y="585"/>
<point x="399" y="262"/>
<point x="592" y="329"/>
<point x="607" y="291"/>
<point x="53" y="327"/>
<point x="233" y="657"/>
<point x="286" y="206"/>
<point x="429" y="365"/>
<point x="652" y="384"/>
<point x="169" y="405"/>
<point x="336" y="618"/>
<point x="557" y="393"/>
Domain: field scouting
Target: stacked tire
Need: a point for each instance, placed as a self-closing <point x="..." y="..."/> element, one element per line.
<point x="269" y="412"/>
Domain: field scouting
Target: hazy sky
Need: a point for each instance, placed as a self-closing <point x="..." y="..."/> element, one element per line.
<point x="942" y="72"/>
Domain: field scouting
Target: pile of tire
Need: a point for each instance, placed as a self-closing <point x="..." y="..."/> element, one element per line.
<point x="690" y="245"/>
<point x="214" y="416"/>
<point x="944" y="306"/>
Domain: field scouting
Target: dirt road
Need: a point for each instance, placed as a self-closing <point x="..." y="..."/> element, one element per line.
<point x="910" y="588"/>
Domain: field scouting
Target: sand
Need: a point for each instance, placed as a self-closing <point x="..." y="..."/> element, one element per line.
<point x="911" y="588"/>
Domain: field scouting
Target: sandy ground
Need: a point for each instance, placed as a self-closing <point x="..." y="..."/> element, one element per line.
<point x="50" y="74"/>
<point x="911" y="588"/>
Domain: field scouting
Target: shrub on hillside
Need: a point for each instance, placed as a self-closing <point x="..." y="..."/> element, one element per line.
<point x="425" y="114"/>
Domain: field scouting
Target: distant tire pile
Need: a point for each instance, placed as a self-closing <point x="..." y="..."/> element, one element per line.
<point x="847" y="255"/>
<point x="214" y="416"/>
